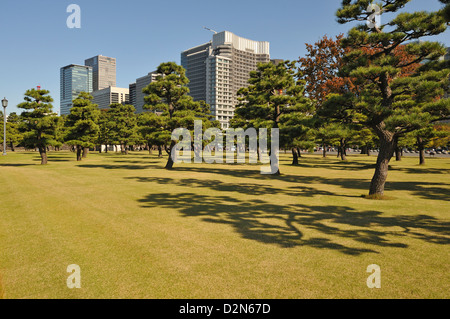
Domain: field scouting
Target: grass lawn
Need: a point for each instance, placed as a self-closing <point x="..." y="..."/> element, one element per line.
<point x="221" y="231"/>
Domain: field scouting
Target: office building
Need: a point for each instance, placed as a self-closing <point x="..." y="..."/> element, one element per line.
<point x="136" y="94"/>
<point x="194" y="61"/>
<point x="228" y="61"/>
<point x="104" y="71"/>
<point x="74" y="79"/>
<point x="105" y="97"/>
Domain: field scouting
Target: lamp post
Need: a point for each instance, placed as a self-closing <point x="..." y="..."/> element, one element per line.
<point x="4" y="104"/>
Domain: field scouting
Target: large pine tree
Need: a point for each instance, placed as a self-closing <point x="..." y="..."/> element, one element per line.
<point x="123" y="125"/>
<point x="82" y="124"/>
<point x="274" y="99"/>
<point x="169" y="96"/>
<point x="39" y="122"/>
<point x="390" y="103"/>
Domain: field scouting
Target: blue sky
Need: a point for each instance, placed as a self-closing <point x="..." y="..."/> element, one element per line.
<point x="35" y="41"/>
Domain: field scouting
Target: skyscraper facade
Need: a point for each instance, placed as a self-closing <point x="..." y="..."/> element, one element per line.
<point x="194" y="61"/>
<point x="74" y="79"/>
<point x="104" y="71"/>
<point x="136" y="94"/>
<point x="220" y="68"/>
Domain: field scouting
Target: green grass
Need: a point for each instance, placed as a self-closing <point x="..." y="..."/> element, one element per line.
<point x="221" y="231"/>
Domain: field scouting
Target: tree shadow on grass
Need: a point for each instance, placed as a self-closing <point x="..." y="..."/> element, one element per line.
<point x="427" y="190"/>
<point x="288" y="225"/>
<point x="241" y="188"/>
<point x="15" y="164"/>
<point x="420" y="170"/>
<point x="119" y="166"/>
<point x="335" y="164"/>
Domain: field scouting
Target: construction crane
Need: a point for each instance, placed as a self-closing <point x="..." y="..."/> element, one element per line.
<point x="215" y="32"/>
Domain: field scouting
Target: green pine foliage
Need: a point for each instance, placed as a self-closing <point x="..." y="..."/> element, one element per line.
<point x="123" y="125"/>
<point x="388" y="102"/>
<point x="81" y="123"/>
<point x="275" y="99"/>
<point x="168" y="95"/>
<point x="39" y="122"/>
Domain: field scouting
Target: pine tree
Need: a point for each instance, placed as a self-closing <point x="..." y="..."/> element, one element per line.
<point x="168" y="95"/>
<point x="13" y="135"/>
<point x="39" y="122"/>
<point x="423" y="138"/>
<point x="274" y="94"/>
<point x="105" y="130"/>
<point x="389" y="103"/>
<point x="123" y="125"/>
<point x="151" y="127"/>
<point x="81" y="123"/>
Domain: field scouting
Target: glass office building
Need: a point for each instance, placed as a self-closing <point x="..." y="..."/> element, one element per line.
<point x="74" y="80"/>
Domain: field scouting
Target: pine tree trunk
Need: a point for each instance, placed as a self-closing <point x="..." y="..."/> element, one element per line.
<point x="298" y="152"/>
<point x="160" y="154"/>
<point x="421" y="151"/>
<point x="79" y="150"/>
<point x="324" y="149"/>
<point x="85" y="152"/>
<point x="170" y="161"/>
<point x="12" y="146"/>
<point x="398" y="154"/>
<point x="342" y="147"/>
<point x="387" y="145"/>
<point x="43" y="153"/>
<point x="295" y="157"/>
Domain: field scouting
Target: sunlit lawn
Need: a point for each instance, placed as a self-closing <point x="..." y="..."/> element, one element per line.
<point x="221" y="231"/>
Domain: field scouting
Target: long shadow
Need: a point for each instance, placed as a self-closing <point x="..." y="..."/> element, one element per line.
<point x="118" y="167"/>
<point x="428" y="190"/>
<point x="335" y="164"/>
<point x="15" y="165"/>
<point x="284" y="225"/>
<point x="420" y="170"/>
<point x="242" y="188"/>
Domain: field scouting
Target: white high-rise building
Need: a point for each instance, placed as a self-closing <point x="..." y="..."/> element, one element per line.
<point x="218" y="69"/>
<point x="136" y="94"/>
<point x="105" y="97"/>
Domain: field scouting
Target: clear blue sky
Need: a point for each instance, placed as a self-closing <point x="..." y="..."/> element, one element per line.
<point x="35" y="41"/>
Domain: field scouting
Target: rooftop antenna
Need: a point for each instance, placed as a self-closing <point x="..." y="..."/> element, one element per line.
<point x="215" y="32"/>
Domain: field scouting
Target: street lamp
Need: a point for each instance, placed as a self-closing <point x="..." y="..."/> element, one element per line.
<point x="4" y="104"/>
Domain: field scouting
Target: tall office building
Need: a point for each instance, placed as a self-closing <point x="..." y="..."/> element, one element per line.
<point x="218" y="69"/>
<point x="194" y="61"/>
<point x="74" y="79"/>
<point x="105" y="97"/>
<point x="136" y="94"/>
<point x="104" y="71"/>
